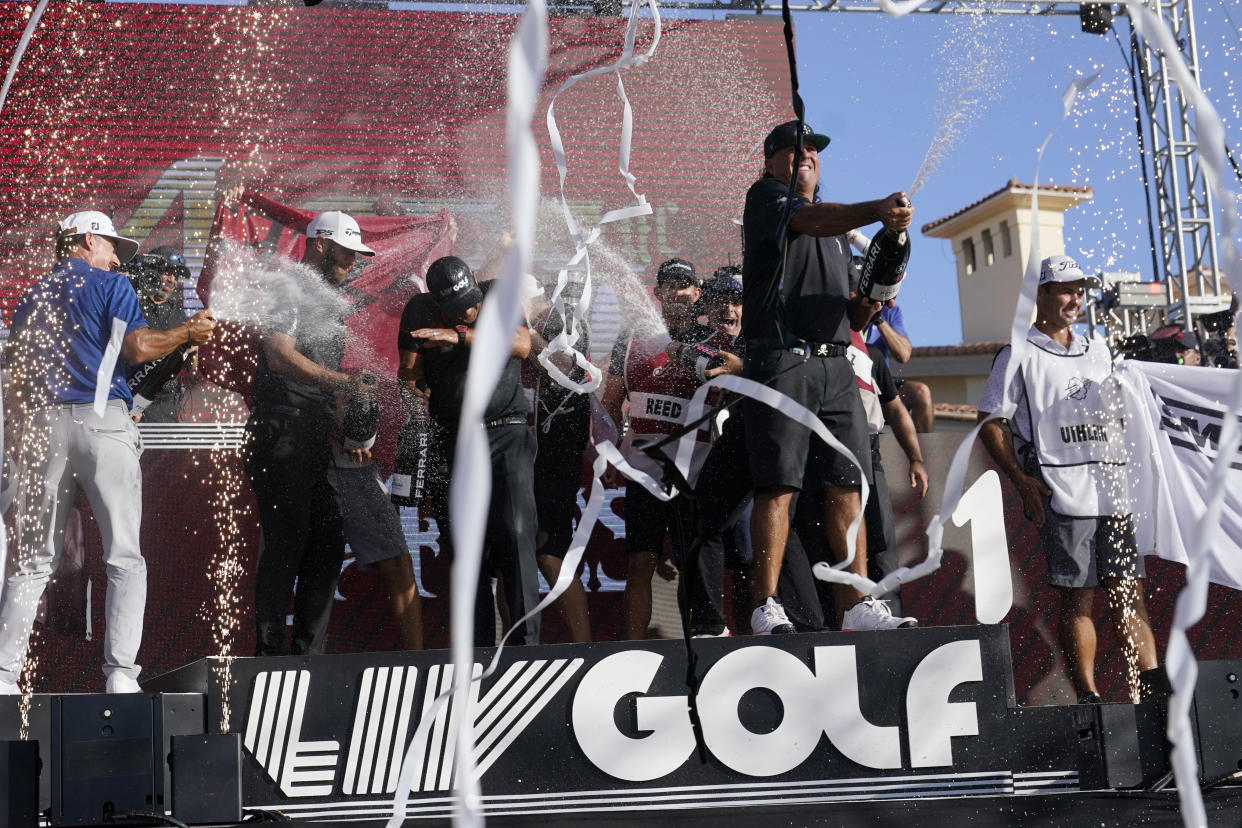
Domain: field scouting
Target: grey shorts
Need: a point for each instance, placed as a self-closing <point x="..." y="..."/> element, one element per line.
<point x="1083" y="551"/>
<point x="372" y="527"/>
<point x="783" y="452"/>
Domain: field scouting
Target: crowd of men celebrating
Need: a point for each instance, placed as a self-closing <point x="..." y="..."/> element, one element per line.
<point x="762" y="497"/>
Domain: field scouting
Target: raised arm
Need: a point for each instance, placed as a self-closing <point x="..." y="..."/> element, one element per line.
<point x="829" y="219"/>
<point x="145" y="345"/>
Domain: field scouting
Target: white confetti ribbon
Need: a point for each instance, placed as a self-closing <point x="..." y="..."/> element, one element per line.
<point x="16" y="61"/>
<point x="1192" y="602"/>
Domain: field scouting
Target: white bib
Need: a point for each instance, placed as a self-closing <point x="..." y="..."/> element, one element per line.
<point x="1078" y="429"/>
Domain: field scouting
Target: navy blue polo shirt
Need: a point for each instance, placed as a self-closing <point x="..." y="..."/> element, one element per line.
<point x="62" y="325"/>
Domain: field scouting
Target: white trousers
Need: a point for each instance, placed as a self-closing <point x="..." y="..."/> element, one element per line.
<point x="61" y="449"/>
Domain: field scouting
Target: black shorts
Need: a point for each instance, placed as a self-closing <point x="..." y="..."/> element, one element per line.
<point x="648" y="520"/>
<point x="783" y="452"/>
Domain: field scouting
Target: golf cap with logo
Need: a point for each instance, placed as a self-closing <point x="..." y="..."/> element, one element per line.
<point x="678" y="270"/>
<point x="452" y="286"/>
<point x="786" y="135"/>
<point x="1062" y="269"/>
<point x="98" y="224"/>
<point x="340" y="228"/>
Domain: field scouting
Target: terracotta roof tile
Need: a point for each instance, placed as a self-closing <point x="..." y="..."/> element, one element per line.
<point x="969" y="349"/>
<point x="1012" y="184"/>
<point x="949" y="411"/>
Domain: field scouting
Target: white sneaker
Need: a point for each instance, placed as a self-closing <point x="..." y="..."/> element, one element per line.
<point x="873" y="614"/>
<point x="769" y="617"/>
<point x="121" y="683"/>
<point x="724" y="633"/>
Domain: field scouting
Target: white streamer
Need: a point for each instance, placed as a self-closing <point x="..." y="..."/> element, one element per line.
<point x="12" y="471"/>
<point x="839" y="572"/>
<point x="107" y="364"/>
<point x="565" y="341"/>
<point x="470" y="490"/>
<point x="31" y="25"/>
<point x="1191" y="603"/>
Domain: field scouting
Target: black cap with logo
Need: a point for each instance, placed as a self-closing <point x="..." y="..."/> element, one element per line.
<point x="786" y="135"/>
<point x="452" y="286"/>
<point x="678" y="270"/>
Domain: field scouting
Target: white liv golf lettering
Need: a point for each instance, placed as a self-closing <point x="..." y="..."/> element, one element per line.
<point x="823" y="700"/>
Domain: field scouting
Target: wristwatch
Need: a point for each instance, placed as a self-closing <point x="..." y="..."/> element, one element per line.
<point x="461" y="334"/>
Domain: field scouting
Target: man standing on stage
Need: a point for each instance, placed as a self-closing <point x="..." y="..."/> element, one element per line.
<point x="796" y="297"/>
<point x="659" y="378"/>
<point x="434" y="341"/>
<point x="68" y="331"/>
<point x="1068" y="487"/>
<point x="288" y="442"/>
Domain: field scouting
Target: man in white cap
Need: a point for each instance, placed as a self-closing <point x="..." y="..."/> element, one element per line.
<point x="288" y="443"/>
<point x="68" y="331"/>
<point x="1065" y="450"/>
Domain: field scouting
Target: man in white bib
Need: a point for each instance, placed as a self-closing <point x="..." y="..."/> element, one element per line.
<point x="1065" y="452"/>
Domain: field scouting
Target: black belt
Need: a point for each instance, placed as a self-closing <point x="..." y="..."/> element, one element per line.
<point x="512" y="419"/>
<point x="820" y="349"/>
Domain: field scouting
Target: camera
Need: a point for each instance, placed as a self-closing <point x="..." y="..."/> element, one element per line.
<point x="146" y="270"/>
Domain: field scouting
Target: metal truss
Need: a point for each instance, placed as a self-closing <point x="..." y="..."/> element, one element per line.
<point x="1183" y="199"/>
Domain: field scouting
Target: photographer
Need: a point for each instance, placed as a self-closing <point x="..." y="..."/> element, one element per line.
<point x="157" y="278"/>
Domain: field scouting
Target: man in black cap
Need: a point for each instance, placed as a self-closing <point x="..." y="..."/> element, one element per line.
<point x="434" y="340"/>
<point x="796" y="296"/>
<point x="658" y="378"/>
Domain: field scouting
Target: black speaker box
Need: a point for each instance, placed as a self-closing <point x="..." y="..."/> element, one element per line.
<point x="1096" y="18"/>
<point x="1108" y="746"/>
<point x="19" y="784"/>
<point x="1215" y="719"/>
<point x="102" y="760"/>
<point x="206" y="778"/>
<point x="109" y="753"/>
<point x="1218" y="718"/>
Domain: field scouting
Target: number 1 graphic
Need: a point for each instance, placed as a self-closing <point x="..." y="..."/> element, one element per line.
<point x="983" y="508"/>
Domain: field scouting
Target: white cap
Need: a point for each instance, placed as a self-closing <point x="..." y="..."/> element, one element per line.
<point x="1062" y="269"/>
<point x="98" y="224"/>
<point x="340" y="228"/>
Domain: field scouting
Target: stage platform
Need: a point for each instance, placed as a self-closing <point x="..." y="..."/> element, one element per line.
<point x="823" y="729"/>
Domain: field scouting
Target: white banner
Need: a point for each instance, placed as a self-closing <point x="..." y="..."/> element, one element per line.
<point x="1177" y="417"/>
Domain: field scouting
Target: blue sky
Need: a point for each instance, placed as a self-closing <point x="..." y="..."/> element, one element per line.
<point x="882" y="87"/>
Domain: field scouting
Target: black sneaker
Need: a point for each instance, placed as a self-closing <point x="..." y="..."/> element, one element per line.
<point x="1089" y="698"/>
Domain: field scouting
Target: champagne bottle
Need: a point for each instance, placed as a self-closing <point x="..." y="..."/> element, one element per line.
<point x="884" y="265"/>
<point x="151" y="377"/>
<point x="361" y="416"/>
<point x="413" y="460"/>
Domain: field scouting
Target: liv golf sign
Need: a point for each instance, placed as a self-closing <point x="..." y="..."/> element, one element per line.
<point x="586" y="727"/>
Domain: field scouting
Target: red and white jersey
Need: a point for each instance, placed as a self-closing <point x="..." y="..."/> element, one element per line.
<point x="659" y="391"/>
<point x="860" y="359"/>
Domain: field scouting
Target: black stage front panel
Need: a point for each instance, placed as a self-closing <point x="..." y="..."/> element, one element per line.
<point x="566" y="729"/>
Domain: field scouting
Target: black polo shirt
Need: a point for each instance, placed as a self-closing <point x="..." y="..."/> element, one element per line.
<point x="815" y="287"/>
<point x="444" y="367"/>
